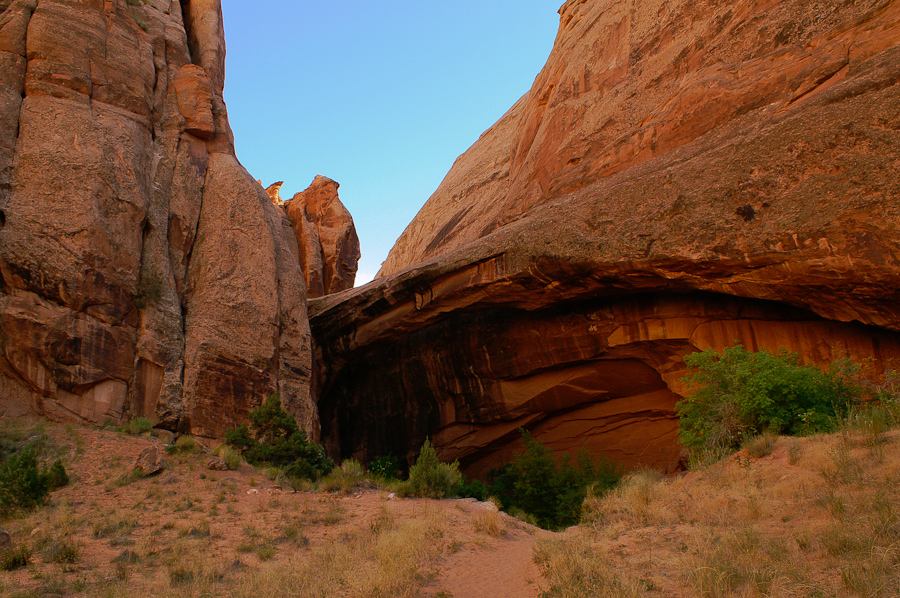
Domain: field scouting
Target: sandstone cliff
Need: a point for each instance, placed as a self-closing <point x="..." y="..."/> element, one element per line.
<point x="681" y="175"/>
<point x="326" y="235"/>
<point x="144" y="272"/>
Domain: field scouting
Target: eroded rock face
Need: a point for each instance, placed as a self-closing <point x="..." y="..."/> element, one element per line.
<point x="681" y="175"/>
<point x="329" y="247"/>
<point x="628" y="82"/>
<point x="144" y="272"/>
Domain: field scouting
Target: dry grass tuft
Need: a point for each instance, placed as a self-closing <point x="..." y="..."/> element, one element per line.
<point x="491" y="522"/>
<point x="575" y="567"/>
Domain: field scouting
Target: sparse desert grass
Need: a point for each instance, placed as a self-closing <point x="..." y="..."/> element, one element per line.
<point x="345" y="478"/>
<point x="190" y="532"/>
<point x="820" y="516"/>
<point x="575" y="567"/>
<point x="760" y="446"/>
<point x="383" y="561"/>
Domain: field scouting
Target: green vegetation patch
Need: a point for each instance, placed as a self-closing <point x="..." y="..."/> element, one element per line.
<point x="739" y="394"/>
<point x="274" y="439"/>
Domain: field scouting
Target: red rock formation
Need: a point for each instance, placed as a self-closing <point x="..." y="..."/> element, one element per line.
<point x="195" y="95"/>
<point x="680" y="176"/>
<point x="274" y="193"/>
<point x="630" y="82"/>
<point x="329" y="247"/>
<point x="144" y="272"/>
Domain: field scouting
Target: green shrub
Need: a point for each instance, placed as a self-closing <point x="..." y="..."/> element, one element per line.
<point x="344" y="478"/>
<point x="550" y="490"/>
<point x="138" y="426"/>
<point x="187" y="444"/>
<point x="57" y="476"/>
<point x="740" y="394"/>
<point x="231" y="457"/>
<point x="472" y="488"/>
<point x="429" y="477"/>
<point x="385" y="467"/>
<point x="22" y="484"/>
<point x="276" y="440"/>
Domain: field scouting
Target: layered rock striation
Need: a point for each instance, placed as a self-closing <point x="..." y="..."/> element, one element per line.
<point x="143" y="272"/>
<point x="681" y="176"/>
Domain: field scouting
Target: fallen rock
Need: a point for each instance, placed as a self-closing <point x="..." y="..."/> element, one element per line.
<point x="216" y="464"/>
<point x="150" y="461"/>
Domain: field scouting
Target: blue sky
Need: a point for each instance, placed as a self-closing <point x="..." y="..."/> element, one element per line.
<point x="379" y="96"/>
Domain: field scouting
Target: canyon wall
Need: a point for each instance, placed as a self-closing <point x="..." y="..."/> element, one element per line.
<point x="681" y="175"/>
<point x="143" y="271"/>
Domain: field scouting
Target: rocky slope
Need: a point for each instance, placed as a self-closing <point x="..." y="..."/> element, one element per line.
<point x="144" y="272"/>
<point x="680" y="176"/>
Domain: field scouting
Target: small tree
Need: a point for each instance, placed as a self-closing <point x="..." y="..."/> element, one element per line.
<point x="549" y="489"/>
<point x="429" y="477"/>
<point x="277" y="440"/>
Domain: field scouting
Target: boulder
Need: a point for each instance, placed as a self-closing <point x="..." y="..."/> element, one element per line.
<point x="149" y="461"/>
<point x="216" y="464"/>
<point x="326" y="235"/>
<point x="681" y="176"/>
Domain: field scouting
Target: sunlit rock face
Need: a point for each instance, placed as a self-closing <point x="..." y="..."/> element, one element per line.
<point x="326" y="236"/>
<point x="681" y="176"/>
<point x="144" y="272"/>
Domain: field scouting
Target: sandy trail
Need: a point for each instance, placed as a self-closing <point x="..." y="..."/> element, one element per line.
<point x="492" y="567"/>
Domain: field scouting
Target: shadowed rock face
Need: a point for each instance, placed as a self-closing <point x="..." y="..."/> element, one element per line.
<point x="144" y="272"/>
<point x="326" y="235"/>
<point x="681" y="175"/>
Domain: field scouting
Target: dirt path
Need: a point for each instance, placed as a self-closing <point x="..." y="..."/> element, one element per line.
<point x="494" y="565"/>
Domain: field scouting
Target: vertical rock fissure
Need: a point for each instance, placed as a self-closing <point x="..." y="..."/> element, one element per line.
<point x="193" y="50"/>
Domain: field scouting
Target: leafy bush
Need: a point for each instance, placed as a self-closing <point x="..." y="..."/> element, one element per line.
<point x="22" y="484"/>
<point x="231" y="457"/>
<point x="56" y="476"/>
<point x="385" y="467"/>
<point x="276" y="440"/>
<point x="740" y="394"/>
<point x="187" y="444"/>
<point x="473" y="488"/>
<point x="551" y="490"/>
<point x="429" y="477"/>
